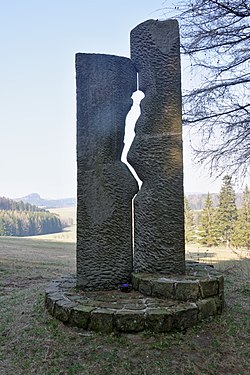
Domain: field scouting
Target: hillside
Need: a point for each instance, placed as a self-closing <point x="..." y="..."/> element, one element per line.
<point x="196" y="201"/>
<point x="35" y="199"/>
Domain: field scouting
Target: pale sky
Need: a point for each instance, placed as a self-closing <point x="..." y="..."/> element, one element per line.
<point x="39" y="39"/>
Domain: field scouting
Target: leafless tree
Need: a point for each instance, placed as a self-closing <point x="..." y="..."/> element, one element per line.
<point x="216" y="38"/>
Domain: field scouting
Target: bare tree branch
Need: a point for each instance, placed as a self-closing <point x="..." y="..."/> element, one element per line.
<point x="215" y="36"/>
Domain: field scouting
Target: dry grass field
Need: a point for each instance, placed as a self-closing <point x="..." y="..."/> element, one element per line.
<point x="215" y="255"/>
<point x="32" y="342"/>
<point x="65" y="213"/>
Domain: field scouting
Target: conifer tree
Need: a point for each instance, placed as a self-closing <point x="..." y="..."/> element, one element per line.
<point x="207" y="232"/>
<point x="189" y="222"/>
<point x="241" y="234"/>
<point x="226" y="213"/>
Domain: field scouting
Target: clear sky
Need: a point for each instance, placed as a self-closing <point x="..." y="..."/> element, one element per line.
<point x="38" y="40"/>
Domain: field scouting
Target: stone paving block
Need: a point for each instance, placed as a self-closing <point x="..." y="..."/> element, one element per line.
<point x="135" y="305"/>
<point x="159" y="320"/>
<point x="185" y="315"/>
<point x="208" y="287"/>
<point x="129" y="321"/>
<point x="154" y="303"/>
<point x="135" y="281"/>
<point x="163" y="289"/>
<point x="133" y="312"/>
<point x="207" y="307"/>
<point x="55" y="296"/>
<point x="53" y="288"/>
<point x="110" y="305"/>
<point x="49" y="304"/>
<point x="187" y="290"/>
<point x="51" y="298"/>
<point x="101" y="320"/>
<point x="145" y="287"/>
<point x="80" y="316"/>
<point x="62" y="310"/>
<point x="219" y="300"/>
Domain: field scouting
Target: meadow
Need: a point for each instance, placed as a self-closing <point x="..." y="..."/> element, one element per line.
<point x="32" y="342"/>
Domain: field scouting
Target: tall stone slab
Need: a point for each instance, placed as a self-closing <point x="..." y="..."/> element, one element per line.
<point x="156" y="152"/>
<point x="106" y="187"/>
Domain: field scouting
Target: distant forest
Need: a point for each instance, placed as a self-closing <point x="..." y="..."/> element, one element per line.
<point x="197" y="200"/>
<point x="24" y="219"/>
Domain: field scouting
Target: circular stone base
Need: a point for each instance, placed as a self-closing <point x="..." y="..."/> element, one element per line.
<point x="158" y="303"/>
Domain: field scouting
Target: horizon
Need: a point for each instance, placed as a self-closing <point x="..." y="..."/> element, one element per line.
<point x="75" y="197"/>
<point x="37" y="90"/>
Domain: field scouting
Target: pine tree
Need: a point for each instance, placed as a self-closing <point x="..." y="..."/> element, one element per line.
<point x="241" y="234"/>
<point x="189" y="222"/>
<point x="207" y="229"/>
<point x="226" y="213"/>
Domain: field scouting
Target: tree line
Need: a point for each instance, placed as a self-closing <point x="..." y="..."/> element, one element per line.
<point x="24" y="219"/>
<point x="10" y="204"/>
<point x="224" y="224"/>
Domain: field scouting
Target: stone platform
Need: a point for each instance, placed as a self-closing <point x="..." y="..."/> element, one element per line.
<point x="157" y="303"/>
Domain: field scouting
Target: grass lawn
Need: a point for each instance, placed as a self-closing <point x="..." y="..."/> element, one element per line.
<point x="32" y="342"/>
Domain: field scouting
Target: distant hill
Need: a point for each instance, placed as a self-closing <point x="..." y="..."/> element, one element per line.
<point x="35" y="199"/>
<point x="197" y="200"/>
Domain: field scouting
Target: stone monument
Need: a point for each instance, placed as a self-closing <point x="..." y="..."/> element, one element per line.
<point x="156" y="153"/>
<point x="105" y="185"/>
<point x="164" y="295"/>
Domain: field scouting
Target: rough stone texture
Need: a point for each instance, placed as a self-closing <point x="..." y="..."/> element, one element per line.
<point x="199" y="281"/>
<point x="159" y="320"/>
<point x="185" y="315"/>
<point x="105" y="185"/>
<point x="62" y="310"/>
<point x="187" y="290"/>
<point x="163" y="289"/>
<point x="80" y="316"/>
<point x="145" y="287"/>
<point x="115" y="311"/>
<point x="130" y="321"/>
<point x="220" y="303"/>
<point x="156" y="152"/>
<point x="207" y="307"/>
<point x="102" y="320"/>
<point x="209" y="287"/>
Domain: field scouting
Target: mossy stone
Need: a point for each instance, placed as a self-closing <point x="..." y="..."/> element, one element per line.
<point x="184" y="315"/>
<point x="101" y="320"/>
<point x="135" y="281"/>
<point x="159" y="320"/>
<point x="209" y="287"/>
<point x="145" y="287"/>
<point x="80" y="316"/>
<point x="187" y="290"/>
<point x="129" y="321"/>
<point x="62" y="310"/>
<point x="163" y="289"/>
<point x="219" y="301"/>
<point x="207" y="307"/>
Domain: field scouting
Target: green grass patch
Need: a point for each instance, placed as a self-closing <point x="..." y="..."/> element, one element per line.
<point x="32" y="342"/>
